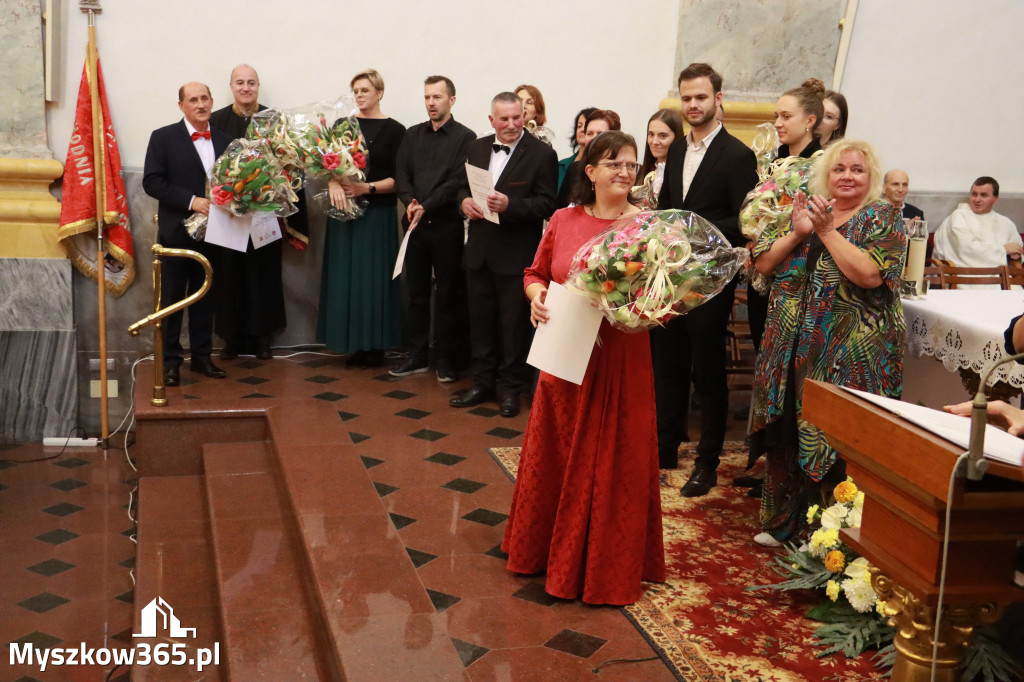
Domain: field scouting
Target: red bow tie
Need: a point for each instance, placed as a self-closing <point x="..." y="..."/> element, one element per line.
<point x="196" y="135"/>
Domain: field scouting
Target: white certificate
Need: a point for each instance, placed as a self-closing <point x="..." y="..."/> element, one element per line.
<point x="228" y="230"/>
<point x="562" y="345"/>
<point x="400" y="261"/>
<point x="265" y="229"/>
<point x="481" y="183"/>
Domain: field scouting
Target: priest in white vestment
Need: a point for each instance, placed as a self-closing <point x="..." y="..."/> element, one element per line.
<point x="976" y="236"/>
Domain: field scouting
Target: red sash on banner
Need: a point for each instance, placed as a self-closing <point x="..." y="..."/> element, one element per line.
<point x="78" y="207"/>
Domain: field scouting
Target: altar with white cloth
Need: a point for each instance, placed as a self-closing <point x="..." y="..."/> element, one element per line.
<point x="951" y="330"/>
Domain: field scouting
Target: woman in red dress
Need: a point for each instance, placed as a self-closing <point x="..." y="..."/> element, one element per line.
<point x="586" y="508"/>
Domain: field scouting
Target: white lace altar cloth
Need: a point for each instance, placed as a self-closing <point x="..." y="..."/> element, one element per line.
<point x="964" y="329"/>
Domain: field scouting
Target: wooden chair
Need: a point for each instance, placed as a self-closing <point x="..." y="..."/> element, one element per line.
<point x="1013" y="276"/>
<point x="935" y="274"/>
<point x="956" y="276"/>
<point x="740" y="359"/>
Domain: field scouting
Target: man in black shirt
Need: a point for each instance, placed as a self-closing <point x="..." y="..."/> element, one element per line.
<point x="429" y="172"/>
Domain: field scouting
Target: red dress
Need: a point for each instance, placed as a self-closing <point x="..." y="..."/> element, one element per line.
<point x="586" y="506"/>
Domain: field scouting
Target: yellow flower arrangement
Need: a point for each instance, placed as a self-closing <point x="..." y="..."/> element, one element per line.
<point x="832" y="590"/>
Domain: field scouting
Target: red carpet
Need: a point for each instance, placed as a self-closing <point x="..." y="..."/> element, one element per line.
<point x="701" y="621"/>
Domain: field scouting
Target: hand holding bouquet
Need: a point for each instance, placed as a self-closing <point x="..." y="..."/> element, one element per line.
<point x="654" y="265"/>
<point x="247" y="178"/>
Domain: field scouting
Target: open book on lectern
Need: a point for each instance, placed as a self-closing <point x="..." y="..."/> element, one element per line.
<point x="999" y="445"/>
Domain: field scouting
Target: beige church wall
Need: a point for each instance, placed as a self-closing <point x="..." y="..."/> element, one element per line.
<point x="607" y="53"/>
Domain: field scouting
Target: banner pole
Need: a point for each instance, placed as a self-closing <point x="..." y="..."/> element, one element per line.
<point x="98" y="134"/>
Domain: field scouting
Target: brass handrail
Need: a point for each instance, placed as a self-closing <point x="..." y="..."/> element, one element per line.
<point x="159" y="395"/>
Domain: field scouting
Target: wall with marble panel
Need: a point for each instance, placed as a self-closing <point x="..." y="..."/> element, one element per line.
<point x="38" y="377"/>
<point x="761" y="48"/>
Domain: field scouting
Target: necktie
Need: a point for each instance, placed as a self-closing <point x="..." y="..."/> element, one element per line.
<point x="196" y="135"/>
<point x="501" y="148"/>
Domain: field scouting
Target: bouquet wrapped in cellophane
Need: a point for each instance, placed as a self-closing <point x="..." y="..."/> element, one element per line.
<point x="770" y="204"/>
<point x="643" y="195"/>
<point x="542" y="133"/>
<point x="271" y="125"/>
<point x="654" y="265"/>
<point x="330" y="146"/>
<point x="247" y="178"/>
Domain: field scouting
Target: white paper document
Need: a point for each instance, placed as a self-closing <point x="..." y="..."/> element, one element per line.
<point x="562" y="345"/>
<point x="400" y="260"/>
<point x="481" y="183"/>
<point x="999" y="445"/>
<point x="265" y="229"/>
<point x="228" y="230"/>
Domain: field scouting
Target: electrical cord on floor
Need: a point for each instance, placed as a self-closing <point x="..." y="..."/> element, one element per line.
<point x="611" y="661"/>
<point x="67" y="439"/>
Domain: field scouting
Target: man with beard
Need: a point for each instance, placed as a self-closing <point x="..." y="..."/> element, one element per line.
<point x="709" y="172"/>
<point x="429" y="172"/>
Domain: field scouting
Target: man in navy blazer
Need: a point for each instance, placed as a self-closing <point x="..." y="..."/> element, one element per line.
<point x="525" y="172"/>
<point x="708" y="172"/>
<point x="178" y="161"/>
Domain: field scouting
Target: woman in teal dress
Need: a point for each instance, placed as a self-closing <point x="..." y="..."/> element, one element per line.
<point x="834" y="315"/>
<point x="576" y="142"/>
<point x="359" y="305"/>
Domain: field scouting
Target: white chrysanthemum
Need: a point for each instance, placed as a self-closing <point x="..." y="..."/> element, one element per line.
<point x="853" y="519"/>
<point x="833" y="516"/>
<point x="860" y="594"/>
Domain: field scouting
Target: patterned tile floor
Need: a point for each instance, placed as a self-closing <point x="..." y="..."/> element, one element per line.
<point x="67" y="551"/>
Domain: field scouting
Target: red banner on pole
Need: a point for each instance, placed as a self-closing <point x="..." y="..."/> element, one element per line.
<point x="78" y="206"/>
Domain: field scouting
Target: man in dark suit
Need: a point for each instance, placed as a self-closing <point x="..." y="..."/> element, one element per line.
<point x="708" y="172"/>
<point x="896" y="186"/>
<point x="178" y="161"/>
<point x="525" y="172"/>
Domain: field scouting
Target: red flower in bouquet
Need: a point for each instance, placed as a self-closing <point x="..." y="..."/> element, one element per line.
<point x="221" y="196"/>
<point x="359" y="159"/>
<point x="331" y="161"/>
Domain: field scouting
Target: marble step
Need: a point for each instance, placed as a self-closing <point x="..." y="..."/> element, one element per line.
<point x="175" y="562"/>
<point x="368" y="590"/>
<point x="271" y="620"/>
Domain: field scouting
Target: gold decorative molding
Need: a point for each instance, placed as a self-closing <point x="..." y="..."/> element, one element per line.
<point x="29" y="214"/>
<point x="914" y="621"/>
<point x="741" y="118"/>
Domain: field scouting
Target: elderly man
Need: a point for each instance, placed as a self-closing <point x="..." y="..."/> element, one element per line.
<point x="525" y="173"/>
<point x="976" y="236"/>
<point x="178" y="161"/>
<point x="897" y="184"/>
<point x="250" y="295"/>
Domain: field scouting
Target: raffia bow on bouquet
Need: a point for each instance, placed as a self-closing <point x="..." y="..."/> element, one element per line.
<point x="654" y="265"/>
<point x="768" y="207"/>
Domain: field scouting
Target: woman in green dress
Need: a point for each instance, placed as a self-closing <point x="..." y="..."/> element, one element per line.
<point x="359" y="306"/>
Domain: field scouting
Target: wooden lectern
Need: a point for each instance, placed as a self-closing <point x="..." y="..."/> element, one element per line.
<point x="904" y="473"/>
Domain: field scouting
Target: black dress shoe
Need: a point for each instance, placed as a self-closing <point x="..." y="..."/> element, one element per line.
<point x="207" y="368"/>
<point x="172" y="376"/>
<point x="509" y="406"/>
<point x="472" y="397"/>
<point x="701" y="481"/>
<point x="229" y="352"/>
